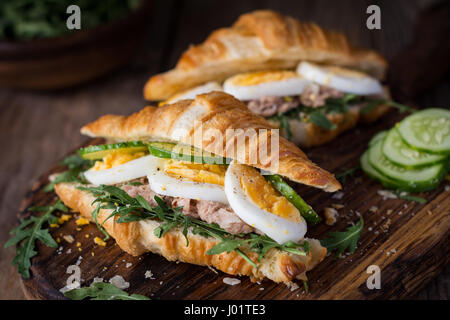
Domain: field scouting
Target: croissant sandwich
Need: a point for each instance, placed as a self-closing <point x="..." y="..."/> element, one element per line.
<point x="309" y="82"/>
<point x="188" y="181"/>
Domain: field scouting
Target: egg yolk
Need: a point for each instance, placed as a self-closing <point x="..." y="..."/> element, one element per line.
<point x="261" y="192"/>
<point x="197" y="172"/>
<point x="116" y="158"/>
<point x="254" y="78"/>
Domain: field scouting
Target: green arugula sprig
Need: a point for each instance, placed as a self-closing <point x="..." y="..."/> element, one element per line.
<point x="342" y="241"/>
<point x="29" y="231"/>
<point x="76" y="166"/>
<point x="346" y="173"/>
<point x="406" y="196"/>
<point x="372" y="103"/>
<point x="130" y="209"/>
<point x="102" y="291"/>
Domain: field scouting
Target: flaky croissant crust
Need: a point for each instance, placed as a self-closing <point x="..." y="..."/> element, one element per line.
<point x="216" y="112"/>
<point x="261" y="40"/>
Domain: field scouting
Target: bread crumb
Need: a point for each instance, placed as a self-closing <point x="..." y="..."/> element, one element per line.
<point x="119" y="282"/>
<point x="337" y="206"/>
<point x="373" y="209"/>
<point x="338" y="195"/>
<point x="148" y="274"/>
<point x="69" y="238"/>
<point x="389" y="211"/>
<point x="292" y="286"/>
<point x="330" y="216"/>
<point x="97" y="279"/>
<point x="386" y="194"/>
<point x="231" y="281"/>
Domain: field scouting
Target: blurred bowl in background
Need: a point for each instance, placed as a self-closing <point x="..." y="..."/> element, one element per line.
<point x="65" y="61"/>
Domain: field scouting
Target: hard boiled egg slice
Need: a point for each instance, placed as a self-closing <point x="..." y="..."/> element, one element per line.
<point x="130" y="170"/>
<point x="166" y="179"/>
<point x="255" y="85"/>
<point x="342" y="79"/>
<point x="192" y="93"/>
<point x="258" y="204"/>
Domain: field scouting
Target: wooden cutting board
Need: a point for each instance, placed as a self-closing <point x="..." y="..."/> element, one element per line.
<point x="410" y="244"/>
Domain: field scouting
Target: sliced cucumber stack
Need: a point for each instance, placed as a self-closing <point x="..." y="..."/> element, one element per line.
<point x="378" y="137"/>
<point x="397" y="151"/>
<point x="414" y="180"/>
<point x="427" y="130"/>
<point x="100" y="151"/>
<point x="374" y="174"/>
<point x="413" y="156"/>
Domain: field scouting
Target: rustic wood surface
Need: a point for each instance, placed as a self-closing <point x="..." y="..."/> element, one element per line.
<point x="37" y="129"/>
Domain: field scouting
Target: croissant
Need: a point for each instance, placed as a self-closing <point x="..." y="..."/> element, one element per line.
<point x="216" y="111"/>
<point x="261" y="40"/>
<point x="179" y="123"/>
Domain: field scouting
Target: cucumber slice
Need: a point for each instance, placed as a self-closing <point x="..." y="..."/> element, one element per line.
<point x="413" y="180"/>
<point x="399" y="153"/>
<point x="378" y="137"/>
<point x="375" y="175"/>
<point x="285" y="189"/>
<point x="101" y="151"/>
<point x="170" y="150"/>
<point x="427" y="130"/>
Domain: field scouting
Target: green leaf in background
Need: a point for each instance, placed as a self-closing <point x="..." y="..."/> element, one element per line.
<point x="31" y="230"/>
<point x="102" y="291"/>
<point x="342" y="241"/>
<point x="30" y="19"/>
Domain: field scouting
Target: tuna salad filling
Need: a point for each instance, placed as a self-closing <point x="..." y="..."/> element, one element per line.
<point x="208" y="211"/>
<point x="313" y="98"/>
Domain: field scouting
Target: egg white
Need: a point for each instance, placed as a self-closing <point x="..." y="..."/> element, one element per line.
<point x="286" y="87"/>
<point x="164" y="184"/>
<point x="279" y="229"/>
<point x="130" y="170"/>
<point x="341" y="79"/>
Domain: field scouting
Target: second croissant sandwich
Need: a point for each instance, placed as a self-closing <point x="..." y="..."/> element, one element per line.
<point x="203" y="200"/>
<point x="310" y="82"/>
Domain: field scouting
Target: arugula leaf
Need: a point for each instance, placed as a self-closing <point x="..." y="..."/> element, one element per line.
<point x="26" y="251"/>
<point x="372" y="103"/>
<point x="102" y="291"/>
<point x="134" y="209"/>
<point x="343" y="175"/>
<point x="321" y="120"/>
<point x="406" y="196"/>
<point x="76" y="165"/>
<point x="341" y="241"/>
<point x="283" y="120"/>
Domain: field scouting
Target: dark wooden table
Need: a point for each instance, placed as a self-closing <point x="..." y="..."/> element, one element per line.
<point x="38" y="128"/>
